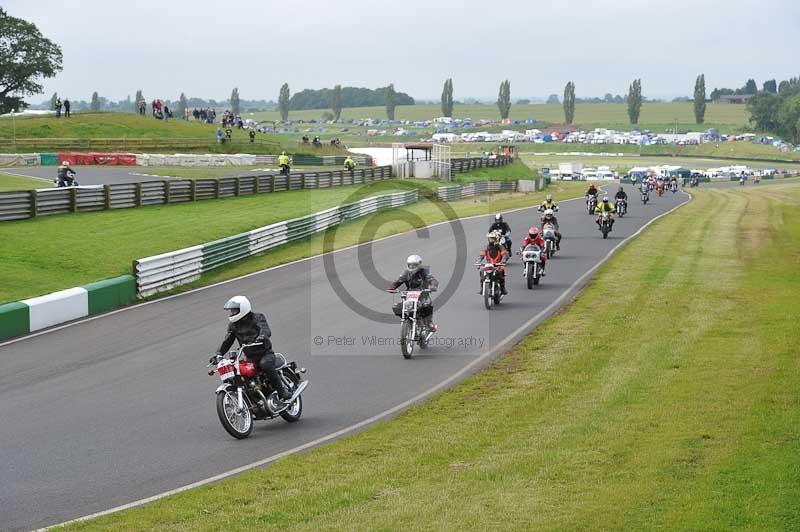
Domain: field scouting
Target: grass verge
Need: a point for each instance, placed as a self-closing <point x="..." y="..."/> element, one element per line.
<point x="42" y="255"/>
<point x="661" y="405"/>
<point x="10" y="183"/>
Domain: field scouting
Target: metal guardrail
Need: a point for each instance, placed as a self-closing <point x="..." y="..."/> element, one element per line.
<point x="473" y="163"/>
<point x="166" y="271"/>
<point x="45" y="202"/>
<point x="457" y="192"/>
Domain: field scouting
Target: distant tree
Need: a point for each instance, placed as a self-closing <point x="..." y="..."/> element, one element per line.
<point x="391" y="101"/>
<point x="635" y="101"/>
<point x="700" y="99"/>
<point x="182" y="105"/>
<point x="569" y="102"/>
<point x="504" y="99"/>
<point x="283" y="102"/>
<point x="788" y="118"/>
<point x="771" y="86"/>
<point x="619" y="99"/>
<point x="553" y="99"/>
<point x="750" y="87"/>
<point x="447" y="98"/>
<point x="523" y="101"/>
<point x="234" y="101"/>
<point x="53" y="99"/>
<point x="95" y="105"/>
<point x="763" y="111"/>
<point x="608" y="98"/>
<point x="139" y="98"/>
<point x="26" y="56"/>
<point x="783" y="87"/>
<point x="336" y="102"/>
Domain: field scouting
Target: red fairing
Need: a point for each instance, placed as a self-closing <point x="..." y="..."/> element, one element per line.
<point x="247" y="369"/>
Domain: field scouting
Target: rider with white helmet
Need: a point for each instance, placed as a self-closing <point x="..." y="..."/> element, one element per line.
<point x="246" y="327"/>
<point x="502" y="227"/>
<point x="418" y="277"/>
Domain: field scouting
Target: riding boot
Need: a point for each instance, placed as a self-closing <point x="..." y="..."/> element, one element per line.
<point x="278" y="385"/>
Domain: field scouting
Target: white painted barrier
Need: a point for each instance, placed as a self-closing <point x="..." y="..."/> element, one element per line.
<point x="58" y="307"/>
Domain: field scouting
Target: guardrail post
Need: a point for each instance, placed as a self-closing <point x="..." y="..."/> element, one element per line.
<point x="238" y="188"/>
<point x="257" y="185"/>
<point x="216" y="188"/>
<point x="167" y="190"/>
<point x="193" y="189"/>
<point x="34" y="206"/>
<point x="73" y="199"/>
<point x="139" y="194"/>
<point x="106" y="197"/>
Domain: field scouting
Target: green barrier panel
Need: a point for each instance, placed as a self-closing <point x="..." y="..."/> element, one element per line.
<point x="110" y="294"/>
<point x="225" y="250"/>
<point x="14" y="320"/>
<point x="48" y="159"/>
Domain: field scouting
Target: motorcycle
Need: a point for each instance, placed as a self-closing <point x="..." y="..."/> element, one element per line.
<point x="605" y="223"/>
<point x="695" y="182"/>
<point x="621" y="206"/>
<point x="645" y="195"/>
<point x="673" y="186"/>
<point x="66" y="181"/>
<point x="413" y="328"/>
<point x="532" y="271"/>
<point x="741" y="181"/>
<point x="245" y="394"/>
<point x="591" y="204"/>
<point x="490" y="286"/>
<point x="549" y="235"/>
<point x="660" y="190"/>
<point x="285" y="169"/>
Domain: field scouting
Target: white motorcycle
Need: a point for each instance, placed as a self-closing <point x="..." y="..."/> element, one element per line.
<point x="414" y="328"/>
<point x="532" y="261"/>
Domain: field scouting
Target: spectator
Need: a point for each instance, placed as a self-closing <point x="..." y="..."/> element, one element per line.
<point x="186" y="114"/>
<point x="58" y="107"/>
<point x="228" y="133"/>
<point x="219" y="135"/>
<point x="153" y="107"/>
<point x="166" y="113"/>
<point x="252" y="136"/>
<point x="66" y="108"/>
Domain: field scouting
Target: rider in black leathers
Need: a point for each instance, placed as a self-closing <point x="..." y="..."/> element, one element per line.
<point x="66" y="175"/>
<point x="253" y="327"/>
<point x="501" y="227"/>
<point x="418" y="277"/>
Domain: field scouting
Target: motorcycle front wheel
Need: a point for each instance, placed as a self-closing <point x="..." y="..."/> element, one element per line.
<point x="406" y="340"/>
<point x="238" y="423"/>
<point x="529" y="276"/>
<point x="294" y="411"/>
<point x="487" y="296"/>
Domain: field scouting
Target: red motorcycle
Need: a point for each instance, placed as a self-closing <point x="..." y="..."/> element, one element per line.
<point x="245" y="394"/>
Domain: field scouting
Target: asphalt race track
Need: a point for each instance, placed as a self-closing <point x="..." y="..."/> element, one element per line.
<point x="111" y="410"/>
<point x="111" y="175"/>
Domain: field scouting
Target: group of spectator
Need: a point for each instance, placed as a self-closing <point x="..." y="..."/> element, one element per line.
<point x="58" y="104"/>
<point x="207" y="115"/>
<point x="161" y="111"/>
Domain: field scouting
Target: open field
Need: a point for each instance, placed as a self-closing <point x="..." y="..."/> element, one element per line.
<point x="9" y="182"/>
<point x="608" y="417"/>
<point x="51" y="253"/>
<point x="655" y="116"/>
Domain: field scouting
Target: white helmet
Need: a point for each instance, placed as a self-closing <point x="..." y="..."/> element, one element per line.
<point x="239" y="307"/>
<point x="413" y="262"/>
<point x="549" y="197"/>
<point x="548" y="212"/>
<point x="498" y="217"/>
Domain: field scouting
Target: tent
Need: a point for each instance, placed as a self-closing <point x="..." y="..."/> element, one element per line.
<point x="680" y="173"/>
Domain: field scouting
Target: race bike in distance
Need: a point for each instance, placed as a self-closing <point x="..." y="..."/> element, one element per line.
<point x="673" y="186"/>
<point x="549" y="235"/>
<point x="414" y="328"/>
<point x="605" y="223"/>
<point x="645" y="194"/>
<point x="621" y="206"/>
<point x="532" y="265"/>
<point x="591" y="203"/>
<point x="245" y="394"/>
<point x="490" y="283"/>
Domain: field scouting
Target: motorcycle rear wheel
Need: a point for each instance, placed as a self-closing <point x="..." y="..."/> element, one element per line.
<point x="406" y="340"/>
<point x="237" y="424"/>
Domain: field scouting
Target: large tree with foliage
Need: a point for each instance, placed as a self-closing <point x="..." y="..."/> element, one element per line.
<point x="447" y="98"/>
<point x="700" y="99"/>
<point x="504" y="99"/>
<point x="139" y="98"/>
<point x="771" y="86"/>
<point x="391" y="101"/>
<point x="569" y="102"/>
<point x="95" y="105"/>
<point x="336" y="102"/>
<point x="53" y="99"/>
<point x="750" y="87"/>
<point x="26" y="57"/>
<point x="283" y="102"/>
<point x="182" y="105"/>
<point x="234" y="101"/>
<point x="634" y="100"/>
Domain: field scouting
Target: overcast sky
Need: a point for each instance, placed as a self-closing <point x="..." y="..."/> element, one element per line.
<point x="204" y="48"/>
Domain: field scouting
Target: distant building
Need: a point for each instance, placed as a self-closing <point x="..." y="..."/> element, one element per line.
<point x="735" y="98"/>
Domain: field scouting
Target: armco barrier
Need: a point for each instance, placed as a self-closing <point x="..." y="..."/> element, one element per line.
<point x="457" y="192"/>
<point x="163" y="272"/>
<point x="43" y="202"/>
<point x="37" y="313"/>
<point x="458" y="165"/>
